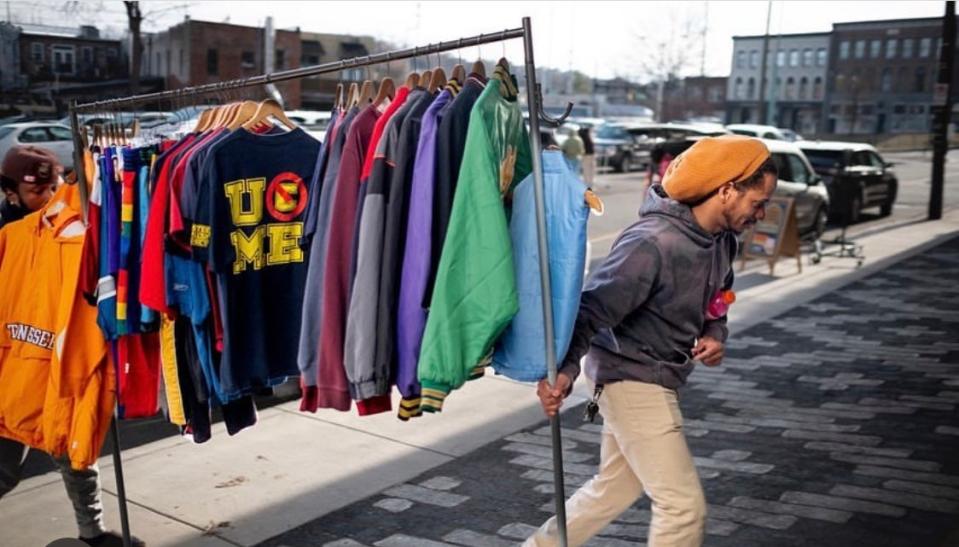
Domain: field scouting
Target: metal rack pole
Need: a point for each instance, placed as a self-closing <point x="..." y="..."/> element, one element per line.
<point x="554" y="422"/>
<point x="121" y="485"/>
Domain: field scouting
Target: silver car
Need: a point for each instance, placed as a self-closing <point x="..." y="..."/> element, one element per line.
<point x="54" y="137"/>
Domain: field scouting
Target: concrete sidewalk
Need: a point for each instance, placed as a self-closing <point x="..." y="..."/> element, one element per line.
<point x="293" y="468"/>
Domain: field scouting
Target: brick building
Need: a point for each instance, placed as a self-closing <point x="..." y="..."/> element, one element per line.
<point x="881" y="75"/>
<point x="201" y="52"/>
<point x="320" y="48"/>
<point x="44" y="67"/>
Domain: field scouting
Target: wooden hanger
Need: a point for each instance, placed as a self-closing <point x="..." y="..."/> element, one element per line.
<point x="387" y="91"/>
<point x="426" y="77"/>
<point x="438" y="80"/>
<point x="459" y="74"/>
<point x="353" y="96"/>
<point x="366" y="93"/>
<point x="339" y="100"/>
<point x="268" y="108"/>
<point x="243" y="113"/>
<point x="479" y="68"/>
<point x="412" y="80"/>
<point x="203" y="120"/>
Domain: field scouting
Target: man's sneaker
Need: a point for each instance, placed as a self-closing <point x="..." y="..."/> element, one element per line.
<point x="112" y="539"/>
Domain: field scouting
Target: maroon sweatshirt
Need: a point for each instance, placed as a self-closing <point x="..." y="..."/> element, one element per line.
<point x="332" y="386"/>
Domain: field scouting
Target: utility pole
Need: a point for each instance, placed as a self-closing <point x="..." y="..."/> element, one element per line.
<point x="134" y="20"/>
<point x="942" y="110"/>
<point x="702" y="58"/>
<point x="762" y="70"/>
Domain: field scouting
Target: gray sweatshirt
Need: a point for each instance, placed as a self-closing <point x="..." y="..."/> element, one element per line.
<point x="642" y="310"/>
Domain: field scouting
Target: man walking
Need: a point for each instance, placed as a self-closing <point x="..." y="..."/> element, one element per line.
<point x="643" y="326"/>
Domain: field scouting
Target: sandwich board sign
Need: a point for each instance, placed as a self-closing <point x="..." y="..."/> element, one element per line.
<point x="777" y="235"/>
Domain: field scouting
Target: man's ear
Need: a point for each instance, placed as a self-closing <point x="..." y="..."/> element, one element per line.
<point x="726" y="192"/>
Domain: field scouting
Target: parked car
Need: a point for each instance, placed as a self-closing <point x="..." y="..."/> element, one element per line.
<point x="54" y="137"/>
<point x="797" y="180"/>
<point x="627" y="147"/>
<point x="856" y="176"/>
<point x="761" y="131"/>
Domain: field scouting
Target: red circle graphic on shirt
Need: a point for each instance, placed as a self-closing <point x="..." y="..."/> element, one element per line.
<point x="286" y="196"/>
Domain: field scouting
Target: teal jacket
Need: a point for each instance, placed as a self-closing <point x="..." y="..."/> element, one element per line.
<point x="474" y="298"/>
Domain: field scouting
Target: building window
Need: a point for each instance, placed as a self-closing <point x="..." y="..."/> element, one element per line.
<point x="844" y="50"/>
<point x="807" y="57"/>
<point x="821" y="57"/>
<point x="920" y="83"/>
<point x="716" y="94"/>
<point x="875" y="48"/>
<point x="64" y="59"/>
<point x="817" y="88"/>
<point x="247" y="59"/>
<point x="741" y="59"/>
<point x="86" y="53"/>
<point x="804" y="88"/>
<point x="738" y="89"/>
<point x="794" y="57"/>
<point x="309" y="60"/>
<point x="280" y="59"/>
<point x="36" y="52"/>
<point x="778" y="90"/>
<point x="111" y="53"/>
<point x="907" y="48"/>
<point x="781" y="58"/>
<point x="159" y="67"/>
<point x="860" y="49"/>
<point x="180" y="69"/>
<point x="751" y="88"/>
<point x="886" y="83"/>
<point x="212" y="62"/>
<point x="790" y="88"/>
<point x="891" y="45"/>
<point x="753" y="59"/>
<point x="924" y="46"/>
<point x="840" y="83"/>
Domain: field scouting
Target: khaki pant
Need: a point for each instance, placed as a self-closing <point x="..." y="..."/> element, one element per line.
<point x="589" y="169"/>
<point x="643" y="450"/>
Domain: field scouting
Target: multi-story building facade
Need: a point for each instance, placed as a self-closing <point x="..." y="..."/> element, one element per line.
<point x="43" y="67"/>
<point x="882" y="75"/>
<point x="795" y="80"/>
<point x="200" y="52"/>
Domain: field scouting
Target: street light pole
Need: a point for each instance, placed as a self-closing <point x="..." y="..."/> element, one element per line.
<point x="942" y="110"/>
<point x="762" y="70"/>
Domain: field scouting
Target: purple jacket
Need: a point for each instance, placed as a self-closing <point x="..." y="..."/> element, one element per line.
<point x="410" y="316"/>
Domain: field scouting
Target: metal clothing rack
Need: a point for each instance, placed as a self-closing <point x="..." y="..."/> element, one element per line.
<point x="534" y="104"/>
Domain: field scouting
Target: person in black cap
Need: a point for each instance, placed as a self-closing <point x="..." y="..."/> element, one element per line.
<point x="29" y="177"/>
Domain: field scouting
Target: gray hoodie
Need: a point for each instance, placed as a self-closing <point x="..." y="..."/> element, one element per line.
<point x="642" y="310"/>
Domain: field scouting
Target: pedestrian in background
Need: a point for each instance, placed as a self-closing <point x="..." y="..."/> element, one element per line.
<point x="573" y="149"/>
<point x="589" y="155"/>
<point x="29" y="176"/>
<point x="643" y="325"/>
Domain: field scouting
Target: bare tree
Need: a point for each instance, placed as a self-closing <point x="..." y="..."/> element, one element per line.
<point x="668" y="49"/>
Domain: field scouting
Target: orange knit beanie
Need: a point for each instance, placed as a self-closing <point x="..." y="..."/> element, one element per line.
<point x="710" y="163"/>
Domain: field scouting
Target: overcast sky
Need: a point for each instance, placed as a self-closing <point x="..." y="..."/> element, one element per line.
<point x="599" y="38"/>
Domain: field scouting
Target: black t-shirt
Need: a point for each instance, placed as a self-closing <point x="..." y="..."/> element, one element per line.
<point x="253" y="220"/>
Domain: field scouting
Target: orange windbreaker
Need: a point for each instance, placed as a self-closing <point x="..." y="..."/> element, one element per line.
<point x="56" y="378"/>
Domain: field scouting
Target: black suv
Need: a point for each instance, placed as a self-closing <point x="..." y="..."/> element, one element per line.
<point x="626" y="147"/>
<point x="856" y="176"/>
